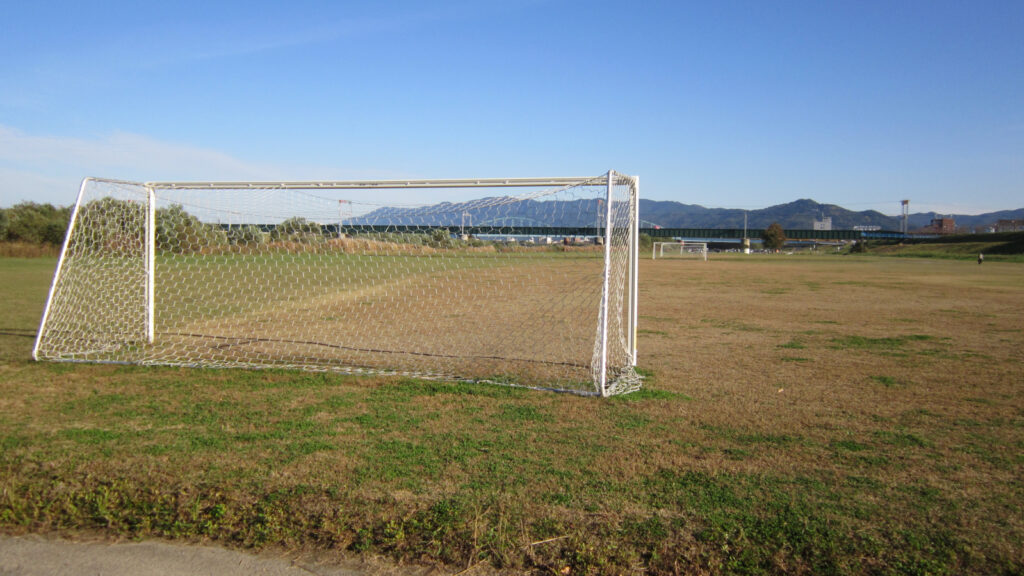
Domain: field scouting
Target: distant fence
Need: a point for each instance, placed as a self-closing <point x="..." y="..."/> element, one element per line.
<point x="727" y="234"/>
<point x="703" y="234"/>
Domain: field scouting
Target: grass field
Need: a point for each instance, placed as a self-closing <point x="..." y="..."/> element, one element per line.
<point x="838" y="415"/>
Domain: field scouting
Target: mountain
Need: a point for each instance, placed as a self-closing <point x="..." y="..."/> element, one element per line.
<point x="492" y="211"/>
<point x="922" y="219"/>
<point x="799" y="214"/>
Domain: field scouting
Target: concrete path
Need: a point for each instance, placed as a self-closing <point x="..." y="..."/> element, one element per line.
<point x="38" y="556"/>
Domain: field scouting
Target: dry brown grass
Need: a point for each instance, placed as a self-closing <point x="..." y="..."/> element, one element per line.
<point x="28" y="250"/>
<point x="780" y="338"/>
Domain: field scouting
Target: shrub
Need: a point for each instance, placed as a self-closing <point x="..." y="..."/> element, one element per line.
<point x="247" y="235"/>
<point x="296" y="229"/>
<point x="645" y="242"/>
<point x="440" y="238"/>
<point x="860" y="247"/>
<point x="179" y="232"/>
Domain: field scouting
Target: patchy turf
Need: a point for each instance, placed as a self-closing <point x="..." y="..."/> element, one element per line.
<point x="802" y="415"/>
<point x="1000" y="247"/>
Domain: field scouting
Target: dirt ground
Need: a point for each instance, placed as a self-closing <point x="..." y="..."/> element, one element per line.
<point x="41" y="556"/>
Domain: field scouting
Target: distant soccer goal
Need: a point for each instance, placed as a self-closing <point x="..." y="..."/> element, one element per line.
<point x="680" y="250"/>
<point x="528" y="282"/>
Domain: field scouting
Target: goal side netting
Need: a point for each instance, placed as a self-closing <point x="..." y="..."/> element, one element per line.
<point x="527" y="282"/>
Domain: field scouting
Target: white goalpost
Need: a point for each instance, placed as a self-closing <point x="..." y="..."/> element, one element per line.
<point x="426" y="278"/>
<point x="680" y="249"/>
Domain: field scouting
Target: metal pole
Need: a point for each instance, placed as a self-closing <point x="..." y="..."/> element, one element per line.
<point x="150" y="266"/>
<point x="60" y="268"/>
<point x="603" y="378"/>
<point x="635" y="265"/>
<point x="370" y="184"/>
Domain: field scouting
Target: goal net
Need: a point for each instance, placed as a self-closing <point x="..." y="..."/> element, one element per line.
<point x="680" y="249"/>
<point x="527" y="282"/>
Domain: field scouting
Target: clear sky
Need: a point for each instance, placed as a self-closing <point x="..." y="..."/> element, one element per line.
<point x="725" y="104"/>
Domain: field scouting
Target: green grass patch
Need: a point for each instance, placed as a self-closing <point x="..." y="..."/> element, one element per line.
<point x="901" y="439"/>
<point x="731" y="325"/>
<point x="848" y="445"/>
<point x="648" y="393"/>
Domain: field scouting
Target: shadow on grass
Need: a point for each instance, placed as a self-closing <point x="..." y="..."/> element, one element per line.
<point x="18" y="332"/>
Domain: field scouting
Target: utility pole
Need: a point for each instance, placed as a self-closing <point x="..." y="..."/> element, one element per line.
<point x="906" y="215"/>
<point x="746" y="241"/>
<point x="341" y="218"/>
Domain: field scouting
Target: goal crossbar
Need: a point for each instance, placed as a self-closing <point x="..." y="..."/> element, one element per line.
<point x="619" y="179"/>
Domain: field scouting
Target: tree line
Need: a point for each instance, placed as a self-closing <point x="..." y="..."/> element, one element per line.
<point x="119" y="223"/>
<point x="34" y="223"/>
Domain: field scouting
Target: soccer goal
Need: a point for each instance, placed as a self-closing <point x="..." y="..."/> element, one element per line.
<point x="527" y="282"/>
<point x="680" y="249"/>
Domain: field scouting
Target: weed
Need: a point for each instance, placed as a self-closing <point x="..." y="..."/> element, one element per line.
<point x="632" y="421"/>
<point x="887" y="381"/>
<point x="848" y="445"/>
<point x="900" y="438"/>
<point x="523" y="413"/>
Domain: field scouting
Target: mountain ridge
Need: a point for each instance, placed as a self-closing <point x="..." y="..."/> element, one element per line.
<point x="798" y="214"/>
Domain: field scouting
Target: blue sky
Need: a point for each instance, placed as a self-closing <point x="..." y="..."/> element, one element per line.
<point x="728" y="104"/>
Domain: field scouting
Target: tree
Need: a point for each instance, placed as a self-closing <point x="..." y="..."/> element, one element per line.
<point x="112" y="225"/>
<point x="3" y="224"/>
<point x="179" y="232"/>
<point x="36" y="223"/>
<point x="773" y="237"/>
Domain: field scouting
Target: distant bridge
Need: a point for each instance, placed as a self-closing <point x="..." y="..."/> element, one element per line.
<point x="711" y="235"/>
<point x="725" y="235"/>
<point x="737" y="234"/>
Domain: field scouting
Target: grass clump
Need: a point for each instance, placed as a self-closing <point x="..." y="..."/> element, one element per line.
<point x="887" y="381"/>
